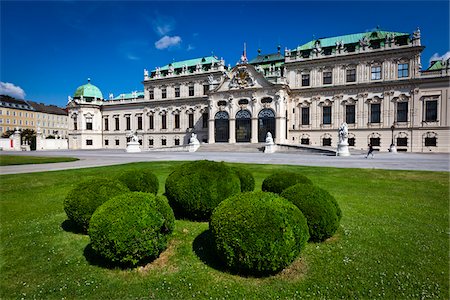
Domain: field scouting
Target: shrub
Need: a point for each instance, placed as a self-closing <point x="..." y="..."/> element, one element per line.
<point x="246" y="178"/>
<point x="194" y="189"/>
<point x="81" y="202"/>
<point x="131" y="228"/>
<point x="140" y="181"/>
<point x="318" y="207"/>
<point x="277" y="182"/>
<point x="258" y="233"/>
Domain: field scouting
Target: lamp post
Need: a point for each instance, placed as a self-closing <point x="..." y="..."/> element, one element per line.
<point x="392" y="148"/>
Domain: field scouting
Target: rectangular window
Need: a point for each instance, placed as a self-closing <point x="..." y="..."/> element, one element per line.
<point x="304" y="141"/>
<point x="375" y="113"/>
<point x="106" y="124"/>
<point x="351" y="75"/>
<point x="177" y="142"/>
<point x="75" y="125"/>
<point x="116" y="120"/>
<point x="350" y="114"/>
<point x="191" y="90"/>
<point x="88" y="124"/>
<point x="327" y="77"/>
<point x="205" y="89"/>
<point x="163" y="142"/>
<point x="431" y="111"/>
<point x="177" y="92"/>
<point x="402" y="112"/>
<point x="191" y="120"/>
<point x="375" y="142"/>
<point x="164" y="93"/>
<point x="128" y="121"/>
<point x="305" y="79"/>
<point x="150" y="142"/>
<point x="326" y="118"/>
<point x="139" y="122"/>
<point x="351" y="141"/>
<point x="106" y="142"/>
<point x="376" y="73"/>
<point x="403" y="70"/>
<point x="305" y="115"/>
<point x="205" y="117"/>
<point x="326" y="141"/>
<point x="163" y="122"/>
<point x="151" y="94"/>
<point x="151" y="122"/>
<point x="177" y="121"/>
<point x="117" y="142"/>
<point x="402" y="141"/>
<point x="88" y="142"/>
<point x="430" y="141"/>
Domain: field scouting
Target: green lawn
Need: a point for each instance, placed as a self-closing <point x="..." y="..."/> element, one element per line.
<point x="393" y="243"/>
<point x="7" y="160"/>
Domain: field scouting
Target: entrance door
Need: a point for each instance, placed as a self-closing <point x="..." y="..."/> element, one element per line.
<point x="266" y="123"/>
<point x="243" y="126"/>
<point x="221" y="127"/>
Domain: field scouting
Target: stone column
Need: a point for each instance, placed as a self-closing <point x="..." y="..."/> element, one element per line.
<point x="254" y="138"/>
<point x="232" y="139"/>
<point x="280" y="130"/>
<point x="211" y="137"/>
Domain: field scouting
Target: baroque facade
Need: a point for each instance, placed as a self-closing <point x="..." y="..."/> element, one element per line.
<point x="372" y="81"/>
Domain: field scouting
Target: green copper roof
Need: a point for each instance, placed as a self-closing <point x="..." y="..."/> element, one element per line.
<point x="88" y="91"/>
<point x="263" y="59"/>
<point x="350" y="39"/>
<point x="435" y="65"/>
<point x="129" y="96"/>
<point x="191" y="62"/>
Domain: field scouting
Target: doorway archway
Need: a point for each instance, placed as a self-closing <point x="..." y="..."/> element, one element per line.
<point x="266" y="123"/>
<point x="243" y="126"/>
<point x="221" y="127"/>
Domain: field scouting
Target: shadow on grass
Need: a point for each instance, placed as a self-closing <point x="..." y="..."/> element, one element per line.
<point x="94" y="259"/>
<point x="71" y="226"/>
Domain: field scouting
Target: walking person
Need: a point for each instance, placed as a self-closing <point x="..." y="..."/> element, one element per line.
<point x="370" y="150"/>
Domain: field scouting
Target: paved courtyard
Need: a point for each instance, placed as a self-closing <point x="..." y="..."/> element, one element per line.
<point x="95" y="158"/>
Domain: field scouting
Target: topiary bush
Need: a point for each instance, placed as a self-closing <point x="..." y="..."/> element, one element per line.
<point x="195" y="188"/>
<point x="140" y="181"/>
<point x="131" y="228"/>
<point x="258" y="233"/>
<point x="81" y="202"/>
<point x="318" y="207"/>
<point x="279" y="181"/>
<point x="246" y="178"/>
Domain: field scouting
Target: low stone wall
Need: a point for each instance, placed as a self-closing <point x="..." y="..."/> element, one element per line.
<point x="7" y="144"/>
<point x="51" y="144"/>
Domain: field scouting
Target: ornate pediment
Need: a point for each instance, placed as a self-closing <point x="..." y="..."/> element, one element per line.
<point x="243" y="77"/>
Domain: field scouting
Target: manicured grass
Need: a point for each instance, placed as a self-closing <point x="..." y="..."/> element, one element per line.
<point x="393" y="243"/>
<point x="7" y="160"/>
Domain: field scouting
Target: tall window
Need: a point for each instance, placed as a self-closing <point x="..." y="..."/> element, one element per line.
<point x="431" y="111"/>
<point x="177" y="92"/>
<point x="164" y="93"/>
<point x="151" y="122"/>
<point x="163" y="122"/>
<point x="403" y="70"/>
<point x="205" y="89"/>
<point x="106" y="124"/>
<point x="351" y="75"/>
<point x="375" y="113"/>
<point x="191" y="90"/>
<point x="350" y="114"/>
<point x="376" y="73"/>
<point x="327" y="77"/>
<point x="75" y="123"/>
<point x="305" y="79"/>
<point x="191" y="120"/>
<point x="326" y="118"/>
<point x="139" y="122"/>
<point x="205" y="117"/>
<point x="305" y="115"/>
<point x="128" y="121"/>
<point x="151" y="92"/>
<point x="402" y="112"/>
<point x="88" y="123"/>
<point x="177" y="121"/>
<point x="116" y="120"/>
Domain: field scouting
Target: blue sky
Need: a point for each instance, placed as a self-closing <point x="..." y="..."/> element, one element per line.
<point x="48" y="49"/>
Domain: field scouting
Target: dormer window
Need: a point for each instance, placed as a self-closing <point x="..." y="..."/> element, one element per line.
<point x="305" y="54"/>
<point x="327" y="51"/>
<point x="375" y="44"/>
<point x="402" y="40"/>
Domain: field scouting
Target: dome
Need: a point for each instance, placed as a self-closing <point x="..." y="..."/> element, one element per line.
<point x="88" y="91"/>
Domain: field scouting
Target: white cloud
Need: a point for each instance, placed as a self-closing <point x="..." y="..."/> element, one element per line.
<point x="132" y="57"/>
<point x="436" y="56"/>
<point x="167" y="41"/>
<point x="162" y="25"/>
<point x="12" y="90"/>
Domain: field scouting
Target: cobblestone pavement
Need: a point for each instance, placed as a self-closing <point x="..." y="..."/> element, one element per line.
<point x="95" y="158"/>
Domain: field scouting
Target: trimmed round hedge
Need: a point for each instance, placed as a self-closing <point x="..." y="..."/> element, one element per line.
<point x="279" y="181"/>
<point x="246" y="178"/>
<point x="131" y="228"/>
<point x="195" y="188"/>
<point x="319" y="208"/>
<point x="81" y="202"/>
<point x="258" y="233"/>
<point x="140" y="181"/>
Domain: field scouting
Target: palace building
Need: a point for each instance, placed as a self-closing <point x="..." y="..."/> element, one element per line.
<point x="372" y="81"/>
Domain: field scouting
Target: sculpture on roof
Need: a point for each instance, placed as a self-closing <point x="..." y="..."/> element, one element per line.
<point x="145" y="73"/>
<point x="364" y="42"/>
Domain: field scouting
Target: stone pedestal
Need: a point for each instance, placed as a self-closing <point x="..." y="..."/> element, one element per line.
<point x="393" y="149"/>
<point x="133" y="147"/>
<point x="342" y="150"/>
<point x="270" y="148"/>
